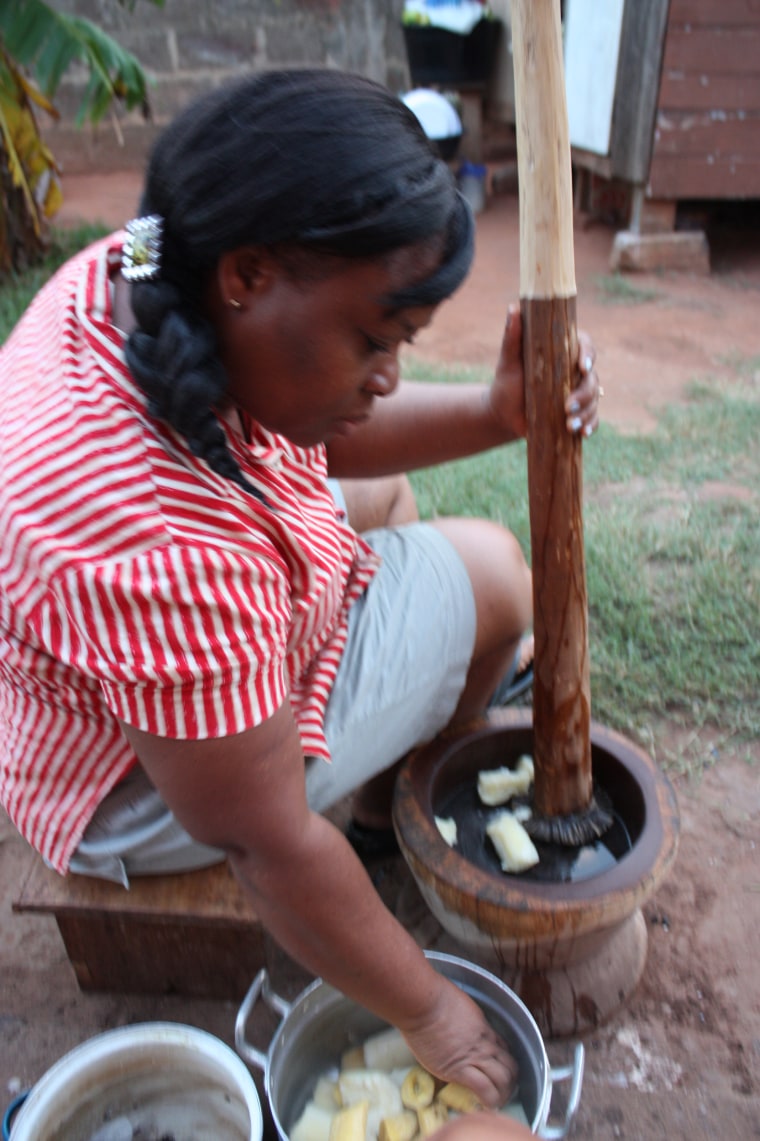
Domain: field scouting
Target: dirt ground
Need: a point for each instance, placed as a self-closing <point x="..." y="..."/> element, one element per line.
<point x="682" y="1059"/>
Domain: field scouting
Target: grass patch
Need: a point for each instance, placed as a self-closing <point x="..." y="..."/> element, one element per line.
<point x="672" y="563"/>
<point x="17" y="290"/>
<point x="415" y="369"/>
<point x="747" y="367"/>
<point x="617" y="289"/>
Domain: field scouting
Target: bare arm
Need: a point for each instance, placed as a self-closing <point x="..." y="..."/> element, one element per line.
<point x="420" y="425"/>
<point x="423" y="424"/>
<point x="246" y="794"/>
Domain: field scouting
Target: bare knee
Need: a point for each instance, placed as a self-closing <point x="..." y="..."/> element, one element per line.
<point x="501" y="585"/>
<point x="500" y="577"/>
<point x="386" y="501"/>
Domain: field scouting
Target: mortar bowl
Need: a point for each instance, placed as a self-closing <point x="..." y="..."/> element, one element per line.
<point x="573" y="950"/>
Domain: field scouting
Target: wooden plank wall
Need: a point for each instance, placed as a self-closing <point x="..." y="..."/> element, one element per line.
<point x="636" y="92"/>
<point x="707" y="132"/>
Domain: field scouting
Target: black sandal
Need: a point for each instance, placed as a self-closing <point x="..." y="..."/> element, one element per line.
<point x="514" y="684"/>
<point x="520" y="684"/>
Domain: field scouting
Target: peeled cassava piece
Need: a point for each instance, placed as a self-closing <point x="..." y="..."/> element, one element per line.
<point x="327" y="1095"/>
<point x="513" y="845"/>
<point x="447" y="826"/>
<point x="373" y="1086"/>
<point x="314" y="1124"/>
<point x="498" y="786"/>
<point x="387" y="1050"/>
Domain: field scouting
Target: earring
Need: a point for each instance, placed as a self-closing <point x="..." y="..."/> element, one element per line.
<point x="234" y="303"/>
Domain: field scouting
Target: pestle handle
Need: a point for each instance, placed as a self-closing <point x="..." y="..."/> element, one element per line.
<point x="545" y="177"/>
<point x="561" y="689"/>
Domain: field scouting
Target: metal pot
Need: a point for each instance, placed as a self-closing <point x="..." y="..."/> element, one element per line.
<point x="161" y="1077"/>
<point x="321" y="1024"/>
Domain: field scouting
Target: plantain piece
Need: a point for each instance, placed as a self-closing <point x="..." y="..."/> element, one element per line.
<point x="387" y="1050"/>
<point x="401" y="1127"/>
<point x="432" y="1117"/>
<point x="350" y="1123"/>
<point x="353" y="1059"/>
<point x="497" y="786"/>
<point x="418" y="1088"/>
<point x="459" y="1098"/>
<point x="313" y="1125"/>
<point x="447" y="826"/>
<point x="513" y="845"/>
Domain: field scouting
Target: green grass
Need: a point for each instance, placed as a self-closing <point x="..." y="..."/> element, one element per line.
<point x="17" y="290"/>
<point x="672" y="547"/>
<point x="617" y="289"/>
<point x="744" y="366"/>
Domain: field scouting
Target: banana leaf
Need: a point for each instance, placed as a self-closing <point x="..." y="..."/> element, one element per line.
<point x="45" y="42"/>
<point x="37" y="46"/>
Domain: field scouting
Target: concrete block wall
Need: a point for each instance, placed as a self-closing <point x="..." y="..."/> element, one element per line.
<point x="190" y="45"/>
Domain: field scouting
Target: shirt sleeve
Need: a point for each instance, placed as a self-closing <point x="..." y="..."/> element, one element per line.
<point x="185" y="642"/>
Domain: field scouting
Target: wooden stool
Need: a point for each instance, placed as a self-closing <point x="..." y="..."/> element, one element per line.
<point x="194" y="934"/>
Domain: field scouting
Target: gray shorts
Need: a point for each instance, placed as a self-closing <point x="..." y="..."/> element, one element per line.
<point x="410" y="640"/>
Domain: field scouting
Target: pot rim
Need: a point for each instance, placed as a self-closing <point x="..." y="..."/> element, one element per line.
<point x="95" y="1052"/>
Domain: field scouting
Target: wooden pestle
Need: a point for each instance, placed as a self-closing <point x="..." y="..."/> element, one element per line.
<point x="564" y="806"/>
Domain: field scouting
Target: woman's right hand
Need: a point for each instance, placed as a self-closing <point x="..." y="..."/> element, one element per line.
<point x="457" y="1044"/>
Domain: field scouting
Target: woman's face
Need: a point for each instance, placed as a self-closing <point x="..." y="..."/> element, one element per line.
<point x="307" y="358"/>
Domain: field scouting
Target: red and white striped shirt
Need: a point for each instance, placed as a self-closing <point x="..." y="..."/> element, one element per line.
<point x="136" y="582"/>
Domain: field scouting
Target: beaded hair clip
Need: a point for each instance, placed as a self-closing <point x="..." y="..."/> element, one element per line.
<point x="141" y="256"/>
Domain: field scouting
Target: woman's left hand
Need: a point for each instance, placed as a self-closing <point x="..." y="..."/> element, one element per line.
<point x="507" y="395"/>
<point x="582" y="405"/>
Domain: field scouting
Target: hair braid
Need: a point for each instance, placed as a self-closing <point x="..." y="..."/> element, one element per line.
<point x="174" y="360"/>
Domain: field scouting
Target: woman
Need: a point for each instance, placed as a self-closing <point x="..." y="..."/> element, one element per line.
<point x="199" y="654"/>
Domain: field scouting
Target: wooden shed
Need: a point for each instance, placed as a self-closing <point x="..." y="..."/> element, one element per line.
<point x="664" y="101"/>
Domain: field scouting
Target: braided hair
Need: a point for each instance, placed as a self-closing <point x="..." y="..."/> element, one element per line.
<point x="312" y="159"/>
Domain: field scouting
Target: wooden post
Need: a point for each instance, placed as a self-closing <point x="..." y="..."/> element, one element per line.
<point x="561" y="690"/>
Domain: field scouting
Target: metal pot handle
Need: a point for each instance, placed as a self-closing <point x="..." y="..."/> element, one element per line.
<point x="561" y="1074"/>
<point x="259" y="988"/>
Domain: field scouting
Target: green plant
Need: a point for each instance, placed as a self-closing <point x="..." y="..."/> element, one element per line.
<point x="37" y="45"/>
<point x="616" y="289"/>
<point x="18" y="289"/>
<point x="415" y="19"/>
